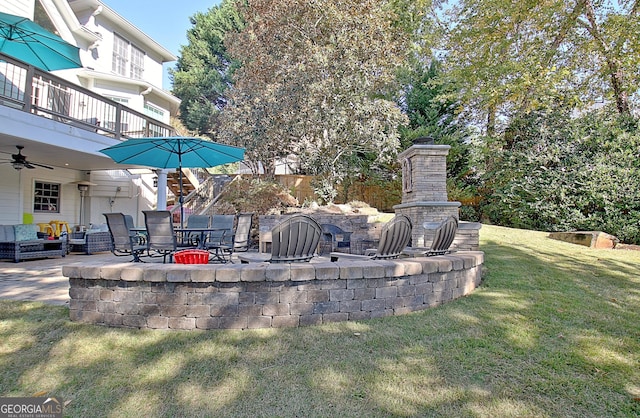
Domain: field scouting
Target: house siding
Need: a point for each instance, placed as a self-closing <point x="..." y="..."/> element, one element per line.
<point x="18" y="7"/>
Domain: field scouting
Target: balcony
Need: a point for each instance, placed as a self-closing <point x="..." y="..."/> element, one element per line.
<point x="41" y="93"/>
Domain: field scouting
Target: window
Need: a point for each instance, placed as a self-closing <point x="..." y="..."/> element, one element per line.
<point x="128" y="61"/>
<point x="122" y="100"/>
<point x="120" y="53"/>
<point x="137" y="63"/>
<point x="46" y="197"/>
<point x="153" y="111"/>
<point x="41" y="17"/>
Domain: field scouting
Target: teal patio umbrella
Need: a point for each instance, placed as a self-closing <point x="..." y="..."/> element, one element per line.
<point x="27" y="41"/>
<point x="174" y="152"/>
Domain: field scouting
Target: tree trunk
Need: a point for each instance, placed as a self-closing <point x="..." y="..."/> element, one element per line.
<point x="491" y="120"/>
<point x="616" y="73"/>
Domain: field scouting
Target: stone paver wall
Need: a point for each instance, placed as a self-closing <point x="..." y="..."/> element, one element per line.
<point x="262" y="295"/>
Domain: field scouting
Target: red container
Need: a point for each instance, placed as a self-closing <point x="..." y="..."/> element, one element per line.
<point x="191" y="257"/>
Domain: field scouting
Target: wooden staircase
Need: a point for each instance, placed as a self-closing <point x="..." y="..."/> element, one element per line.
<point x="173" y="183"/>
<point x="200" y="194"/>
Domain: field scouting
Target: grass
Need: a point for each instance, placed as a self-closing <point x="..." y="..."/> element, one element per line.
<point x="554" y="331"/>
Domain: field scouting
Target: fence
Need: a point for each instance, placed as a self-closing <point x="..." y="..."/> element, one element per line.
<point x="382" y="197"/>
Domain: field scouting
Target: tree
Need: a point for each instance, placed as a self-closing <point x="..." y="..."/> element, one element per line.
<point x="202" y="73"/>
<point x="519" y="56"/>
<point x="567" y="173"/>
<point x="433" y="111"/>
<point x="317" y="80"/>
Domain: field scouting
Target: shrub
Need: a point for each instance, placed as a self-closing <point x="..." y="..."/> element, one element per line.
<point x="555" y="172"/>
<point x="255" y="195"/>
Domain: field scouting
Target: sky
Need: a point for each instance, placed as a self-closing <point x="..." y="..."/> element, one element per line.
<point x="166" y="21"/>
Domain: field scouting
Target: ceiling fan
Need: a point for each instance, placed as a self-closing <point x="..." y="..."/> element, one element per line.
<point x="20" y="161"/>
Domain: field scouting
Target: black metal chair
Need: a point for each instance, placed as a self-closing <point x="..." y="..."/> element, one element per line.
<point x="141" y="238"/>
<point x="192" y="239"/>
<point x="220" y="241"/>
<point x="123" y="243"/>
<point x="161" y="238"/>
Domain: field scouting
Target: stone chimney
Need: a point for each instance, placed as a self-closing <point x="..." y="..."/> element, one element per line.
<point x="424" y="187"/>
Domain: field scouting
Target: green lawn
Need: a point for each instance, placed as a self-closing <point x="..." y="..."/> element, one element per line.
<point x="554" y="331"/>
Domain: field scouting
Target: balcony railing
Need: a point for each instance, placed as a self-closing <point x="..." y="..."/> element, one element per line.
<point x="38" y="92"/>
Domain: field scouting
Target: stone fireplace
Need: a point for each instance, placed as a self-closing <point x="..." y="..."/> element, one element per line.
<point x="424" y="201"/>
<point x="424" y="193"/>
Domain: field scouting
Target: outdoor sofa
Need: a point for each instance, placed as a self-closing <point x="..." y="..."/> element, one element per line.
<point x="96" y="239"/>
<point x="21" y="242"/>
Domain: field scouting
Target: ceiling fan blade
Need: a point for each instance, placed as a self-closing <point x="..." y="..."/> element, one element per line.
<point x="29" y="164"/>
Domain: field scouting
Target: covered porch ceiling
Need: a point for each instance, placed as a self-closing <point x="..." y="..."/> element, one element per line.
<point x="55" y="156"/>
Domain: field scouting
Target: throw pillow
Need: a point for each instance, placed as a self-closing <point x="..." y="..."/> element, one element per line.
<point x="26" y="232"/>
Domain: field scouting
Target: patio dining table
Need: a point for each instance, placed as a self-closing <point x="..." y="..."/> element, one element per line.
<point x="183" y="234"/>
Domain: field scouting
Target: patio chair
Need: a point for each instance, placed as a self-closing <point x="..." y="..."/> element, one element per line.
<point x="140" y="238"/>
<point x="161" y="238"/>
<point x="96" y="239"/>
<point x="220" y="241"/>
<point x="128" y="220"/>
<point x="123" y="243"/>
<point x="192" y="239"/>
<point x="443" y="237"/>
<point x="394" y="237"/>
<point x="295" y="239"/>
<point x="242" y="236"/>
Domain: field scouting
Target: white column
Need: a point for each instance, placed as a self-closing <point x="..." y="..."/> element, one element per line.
<point x="161" y="190"/>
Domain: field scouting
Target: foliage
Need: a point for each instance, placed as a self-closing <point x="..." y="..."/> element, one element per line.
<point x="202" y="73"/>
<point x="517" y="56"/>
<point x="316" y="81"/>
<point x="324" y="190"/>
<point x="255" y="195"/>
<point x="433" y="112"/>
<point x="379" y="192"/>
<point x="556" y="172"/>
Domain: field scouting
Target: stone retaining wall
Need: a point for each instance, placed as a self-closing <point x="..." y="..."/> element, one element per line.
<point x="262" y="295"/>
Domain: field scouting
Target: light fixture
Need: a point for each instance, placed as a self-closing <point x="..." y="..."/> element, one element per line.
<point x="155" y="181"/>
<point x="17" y="165"/>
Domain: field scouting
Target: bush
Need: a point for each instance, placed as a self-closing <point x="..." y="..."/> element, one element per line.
<point x="255" y="195"/>
<point x="555" y="172"/>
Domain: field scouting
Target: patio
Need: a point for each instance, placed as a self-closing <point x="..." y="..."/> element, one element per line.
<point x="42" y="280"/>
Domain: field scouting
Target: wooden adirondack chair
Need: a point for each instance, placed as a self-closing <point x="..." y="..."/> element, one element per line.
<point x="295" y="239"/>
<point x="394" y="237"/>
<point x="443" y="238"/>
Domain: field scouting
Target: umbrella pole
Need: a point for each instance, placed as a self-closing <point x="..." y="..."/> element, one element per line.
<point x="181" y="199"/>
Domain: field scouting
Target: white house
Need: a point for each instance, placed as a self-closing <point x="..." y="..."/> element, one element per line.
<point x="64" y="127"/>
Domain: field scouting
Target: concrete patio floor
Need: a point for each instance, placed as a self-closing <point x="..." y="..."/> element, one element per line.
<point x="42" y="280"/>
